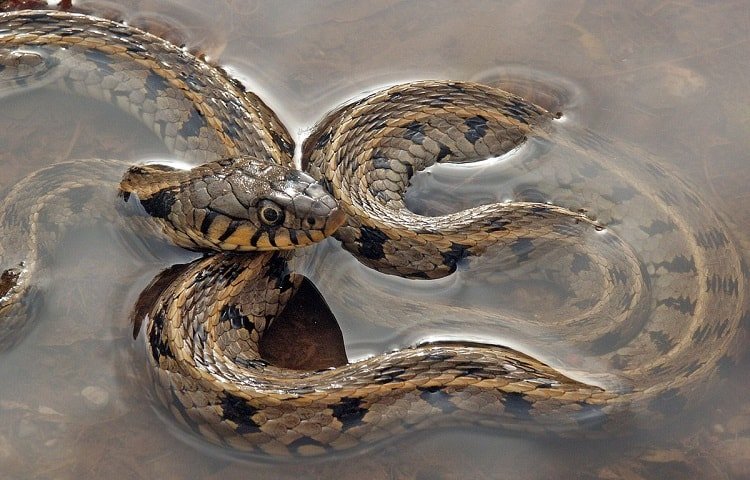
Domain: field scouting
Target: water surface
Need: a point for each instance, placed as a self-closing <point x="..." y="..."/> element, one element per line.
<point x="667" y="77"/>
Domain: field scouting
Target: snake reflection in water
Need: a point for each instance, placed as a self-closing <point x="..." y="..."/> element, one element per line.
<point x="664" y="274"/>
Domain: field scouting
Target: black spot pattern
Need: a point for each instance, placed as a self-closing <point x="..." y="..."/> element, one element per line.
<point x="662" y="341"/>
<point x="657" y="227"/>
<point x="232" y="314"/>
<point x="443" y="153"/>
<point x="669" y="403"/>
<point x="438" y="398"/>
<point x="581" y="263"/>
<point x="681" y="304"/>
<point x="521" y="248"/>
<point x="79" y="197"/>
<point x="160" y="204"/>
<point x="323" y="140"/>
<point x="727" y="286"/>
<point x="159" y="347"/>
<point x="371" y="242"/>
<point x="240" y="412"/>
<point x="679" y="264"/>
<point x="477" y="128"/>
<point x="726" y="365"/>
<point x="193" y="126"/>
<point x="415" y="132"/>
<point x="155" y="85"/>
<point x="349" y="412"/>
<point x="518" y="405"/>
<point x="453" y="257"/>
<point x="278" y="269"/>
<point x="283" y="145"/>
<point x="379" y="161"/>
<point x="713" y="238"/>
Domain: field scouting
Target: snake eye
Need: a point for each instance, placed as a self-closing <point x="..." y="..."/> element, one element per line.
<point x="270" y="213"/>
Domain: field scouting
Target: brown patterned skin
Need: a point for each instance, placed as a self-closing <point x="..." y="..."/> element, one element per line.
<point x="659" y="300"/>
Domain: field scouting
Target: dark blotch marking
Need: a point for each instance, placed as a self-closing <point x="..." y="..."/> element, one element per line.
<point x="380" y="162"/>
<point x="681" y="304"/>
<point x="438" y="398"/>
<point x="155" y="85"/>
<point x="415" y="132"/>
<point x="520" y="110"/>
<point x="477" y="128"/>
<point x="152" y="293"/>
<point x="726" y="285"/>
<point x="160" y="204"/>
<point x="662" y="341"/>
<point x="606" y="343"/>
<point x="679" y="264"/>
<point x="255" y="363"/>
<point x="278" y="269"/>
<point x="726" y="365"/>
<point x="443" y="153"/>
<point x="193" y="126"/>
<point x="240" y="412"/>
<point x="455" y="255"/>
<point x="712" y="239"/>
<point x="371" y="242"/>
<point x="281" y="142"/>
<point x="581" y="263"/>
<point x="521" y="248"/>
<point x="159" y="346"/>
<point x="498" y="225"/>
<point x="669" y="403"/>
<point x="79" y="196"/>
<point x="232" y="314"/>
<point x="322" y="141"/>
<point x="517" y="405"/>
<point x="349" y="412"/>
<point x="657" y="227"/>
<point x="618" y="276"/>
<point x="222" y="274"/>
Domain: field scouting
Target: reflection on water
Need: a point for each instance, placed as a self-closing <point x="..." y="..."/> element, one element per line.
<point x="72" y="402"/>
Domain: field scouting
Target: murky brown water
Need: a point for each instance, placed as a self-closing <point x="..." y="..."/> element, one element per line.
<point x="666" y="76"/>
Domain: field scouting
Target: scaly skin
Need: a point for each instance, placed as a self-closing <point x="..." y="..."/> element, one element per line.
<point x="660" y="299"/>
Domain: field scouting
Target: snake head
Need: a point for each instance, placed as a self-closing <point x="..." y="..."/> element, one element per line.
<point x="242" y="204"/>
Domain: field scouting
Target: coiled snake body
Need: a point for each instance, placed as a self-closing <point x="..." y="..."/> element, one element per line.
<point x="665" y="288"/>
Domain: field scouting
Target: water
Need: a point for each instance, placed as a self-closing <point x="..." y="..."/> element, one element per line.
<point x="666" y="77"/>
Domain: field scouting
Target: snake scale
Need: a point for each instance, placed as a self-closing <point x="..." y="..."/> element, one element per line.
<point x="672" y="292"/>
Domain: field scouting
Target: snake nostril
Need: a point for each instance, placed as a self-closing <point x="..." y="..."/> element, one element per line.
<point x="311" y="221"/>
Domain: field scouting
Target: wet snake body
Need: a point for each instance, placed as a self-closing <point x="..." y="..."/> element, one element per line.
<point x="659" y="300"/>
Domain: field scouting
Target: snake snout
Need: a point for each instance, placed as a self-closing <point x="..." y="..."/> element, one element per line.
<point x="318" y="210"/>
